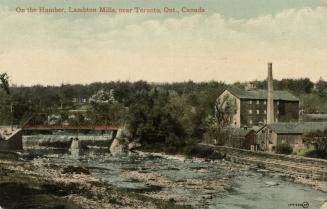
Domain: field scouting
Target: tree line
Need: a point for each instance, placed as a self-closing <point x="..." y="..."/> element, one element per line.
<point x="172" y="113"/>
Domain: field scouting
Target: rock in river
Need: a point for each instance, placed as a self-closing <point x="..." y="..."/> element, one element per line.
<point x="119" y="147"/>
<point x="271" y="183"/>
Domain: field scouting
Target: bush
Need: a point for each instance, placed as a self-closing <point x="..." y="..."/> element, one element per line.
<point x="284" y="149"/>
<point x="203" y="152"/>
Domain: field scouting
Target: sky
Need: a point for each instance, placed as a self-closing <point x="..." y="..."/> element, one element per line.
<point x="232" y="41"/>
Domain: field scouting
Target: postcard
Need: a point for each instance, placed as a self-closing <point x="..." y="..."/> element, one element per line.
<point x="170" y="104"/>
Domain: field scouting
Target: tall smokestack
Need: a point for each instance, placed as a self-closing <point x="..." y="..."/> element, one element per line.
<point x="270" y="102"/>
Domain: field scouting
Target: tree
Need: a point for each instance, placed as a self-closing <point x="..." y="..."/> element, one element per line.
<point x="4" y="78"/>
<point x="318" y="139"/>
<point x="225" y="109"/>
<point x="66" y="94"/>
<point x="321" y="87"/>
<point x="107" y="107"/>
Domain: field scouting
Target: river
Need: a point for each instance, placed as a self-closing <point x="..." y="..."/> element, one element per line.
<point x="196" y="182"/>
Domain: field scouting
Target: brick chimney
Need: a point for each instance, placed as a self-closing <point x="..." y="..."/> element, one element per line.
<point x="270" y="96"/>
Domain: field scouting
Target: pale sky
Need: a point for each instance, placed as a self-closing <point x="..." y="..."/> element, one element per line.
<point x="232" y="41"/>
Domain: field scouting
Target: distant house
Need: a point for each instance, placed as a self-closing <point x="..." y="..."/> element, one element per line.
<point x="80" y="100"/>
<point x="272" y="135"/>
<point x="252" y="106"/>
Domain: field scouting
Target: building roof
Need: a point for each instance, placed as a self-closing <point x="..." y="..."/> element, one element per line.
<point x="239" y="132"/>
<point x="315" y="117"/>
<point x="297" y="128"/>
<point x="262" y="94"/>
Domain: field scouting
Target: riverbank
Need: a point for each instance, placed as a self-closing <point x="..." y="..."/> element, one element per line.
<point x="62" y="180"/>
<point x="40" y="184"/>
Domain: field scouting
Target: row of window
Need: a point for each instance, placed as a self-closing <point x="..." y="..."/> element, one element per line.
<point x="264" y="121"/>
<point x="258" y="111"/>
<point x="258" y="102"/>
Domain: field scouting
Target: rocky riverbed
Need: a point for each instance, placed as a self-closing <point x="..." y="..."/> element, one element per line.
<point x="42" y="184"/>
<point x="96" y="179"/>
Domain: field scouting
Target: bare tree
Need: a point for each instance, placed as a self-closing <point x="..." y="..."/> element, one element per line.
<point x="225" y="109"/>
<point x="4" y="78"/>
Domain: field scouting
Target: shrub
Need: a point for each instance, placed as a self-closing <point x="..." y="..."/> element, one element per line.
<point x="203" y="152"/>
<point x="284" y="148"/>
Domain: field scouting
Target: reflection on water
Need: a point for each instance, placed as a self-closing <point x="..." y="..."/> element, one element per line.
<point x="250" y="189"/>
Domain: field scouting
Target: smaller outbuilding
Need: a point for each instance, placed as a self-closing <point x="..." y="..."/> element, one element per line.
<point x="270" y="136"/>
<point x="242" y="138"/>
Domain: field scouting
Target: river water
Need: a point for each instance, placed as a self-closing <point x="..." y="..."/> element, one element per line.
<point x="192" y="182"/>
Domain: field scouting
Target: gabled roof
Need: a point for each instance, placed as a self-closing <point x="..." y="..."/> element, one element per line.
<point x="262" y="94"/>
<point x="297" y="128"/>
<point x="318" y="116"/>
<point x="239" y="132"/>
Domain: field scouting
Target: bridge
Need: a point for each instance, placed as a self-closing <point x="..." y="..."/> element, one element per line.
<point x="42" y="123"/>
<point x="71" y="127"/>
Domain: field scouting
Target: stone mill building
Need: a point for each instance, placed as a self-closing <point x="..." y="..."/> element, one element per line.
<point x="267" y="118"/>
<point x="256" y="107"/>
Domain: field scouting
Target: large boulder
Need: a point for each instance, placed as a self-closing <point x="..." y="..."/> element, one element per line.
<point x="134" y="145"/>
<point x="119" y="147"/>
<point x="122" y="144"/>
<point x="75" y="144"/>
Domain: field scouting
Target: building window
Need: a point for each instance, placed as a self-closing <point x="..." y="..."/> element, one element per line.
<point x="265" y="111"/>
<point x="277" y="112"/>
<point x="250" y="111"/>
<point x="258" y="101"/>
<point x="250" y="102"/>
<point x="258" y="112"/>
<point x="251" y="122"/>
<point x="265" y="102"/>
<point x="277" y="102"/>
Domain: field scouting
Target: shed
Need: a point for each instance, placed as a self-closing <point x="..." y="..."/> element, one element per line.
<point x="241" y="138"/>
<point x="274" y="134"/>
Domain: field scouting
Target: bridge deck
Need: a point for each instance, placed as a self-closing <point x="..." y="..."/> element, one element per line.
<point x="70" y="127"/>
